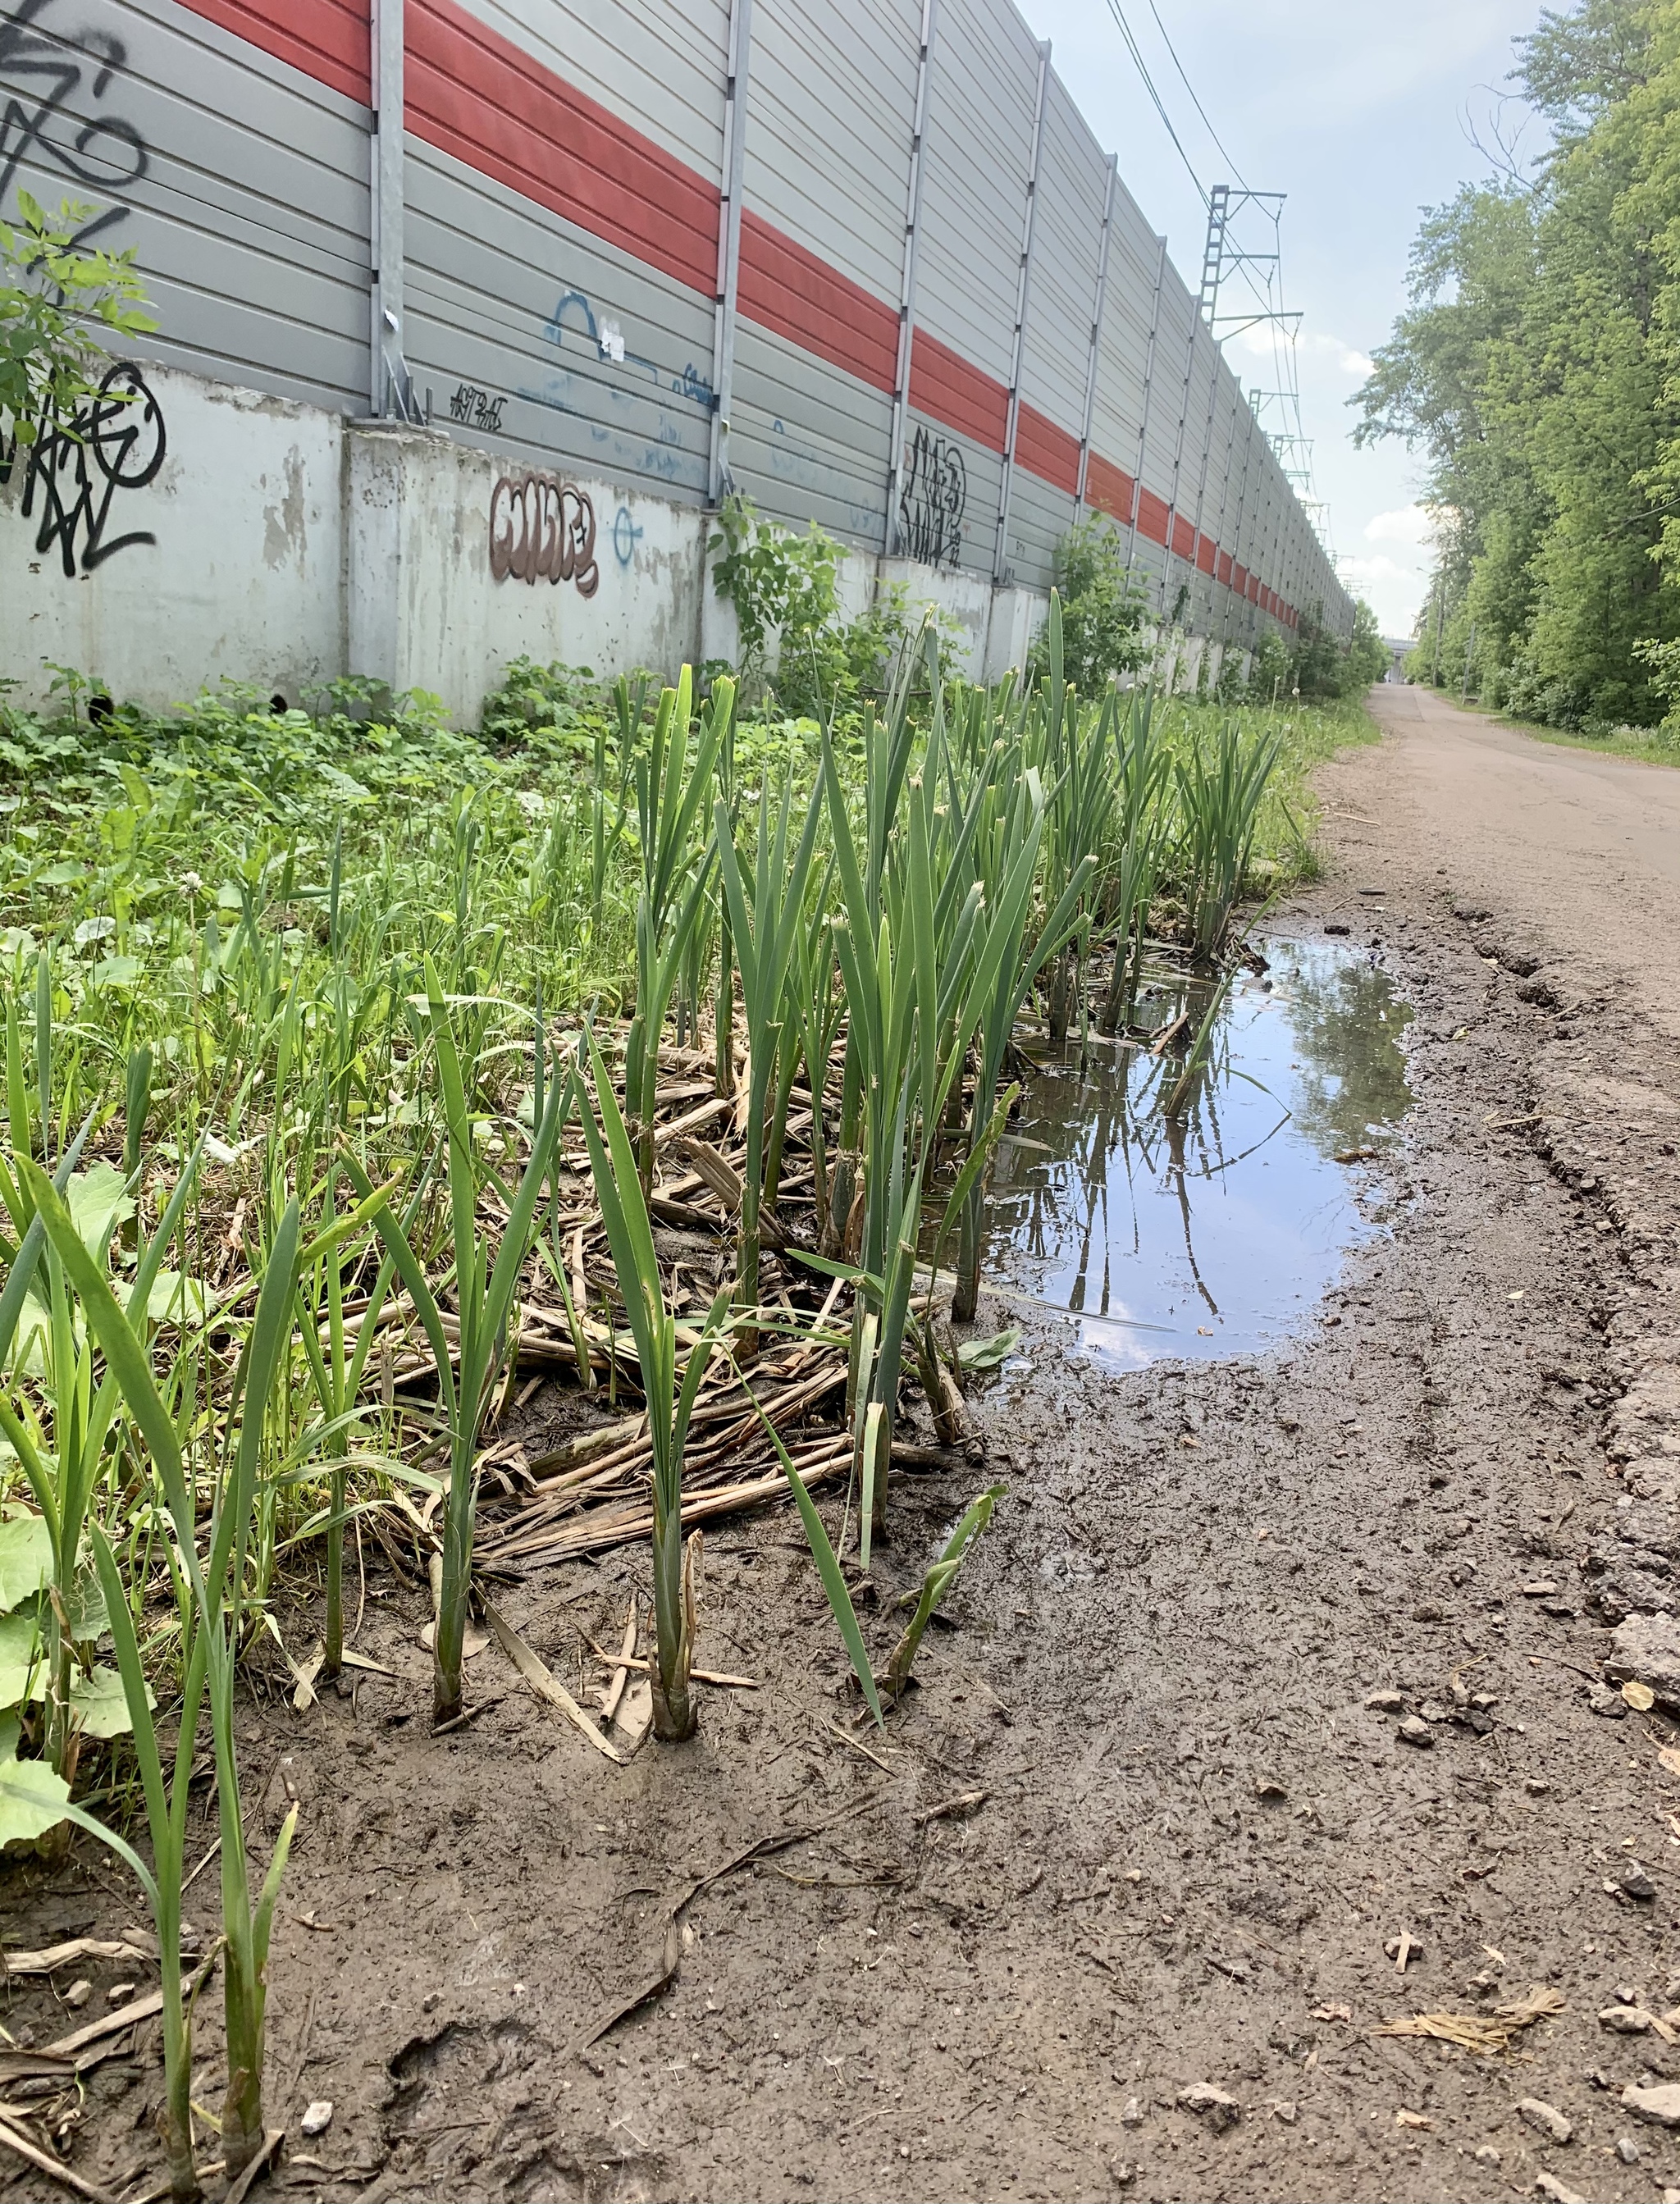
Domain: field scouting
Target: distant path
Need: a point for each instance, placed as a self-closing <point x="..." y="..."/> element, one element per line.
<point x="1584" y="849"/>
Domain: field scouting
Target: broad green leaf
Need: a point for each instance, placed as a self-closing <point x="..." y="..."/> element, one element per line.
<point x="99" y="1704"/>
<point x="98" y="1202"/>
<point x="989" y="1353"/>
<point x="21" y="1671"/>
<point x="32" y="1800"/>
<point x="26" y="1559"/>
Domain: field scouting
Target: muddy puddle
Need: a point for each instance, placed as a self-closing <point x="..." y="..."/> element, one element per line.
<point x="1215" y="1228"/>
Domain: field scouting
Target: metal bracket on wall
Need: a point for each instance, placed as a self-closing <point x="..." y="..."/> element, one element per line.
<point x="729" y="244"/>
<point x="390" y="389"/>
<point x="1096" y="332"/>
<point x="1023" y="295"/>
<point x="890" y="534"/>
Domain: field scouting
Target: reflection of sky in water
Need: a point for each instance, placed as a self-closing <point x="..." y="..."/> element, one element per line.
<point x="1214" y="1233"/>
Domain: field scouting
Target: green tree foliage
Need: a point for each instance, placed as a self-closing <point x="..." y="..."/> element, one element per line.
<point x="1537" y="372"/>
<point x="1102" y="609"/>
<point x="54" y="296"/>
<point x="786" y="591"/>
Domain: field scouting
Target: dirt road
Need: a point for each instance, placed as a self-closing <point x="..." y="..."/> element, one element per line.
<point x="1271" y="1712"/>
<point x="1584" y="849"/>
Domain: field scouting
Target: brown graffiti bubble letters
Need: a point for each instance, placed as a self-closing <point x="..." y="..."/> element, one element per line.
<point x="542" y="531"/>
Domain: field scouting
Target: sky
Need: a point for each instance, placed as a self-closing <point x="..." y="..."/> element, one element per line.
<point x="1362" y="112"/>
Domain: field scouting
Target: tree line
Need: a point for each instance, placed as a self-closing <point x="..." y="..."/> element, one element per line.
<point x="1536" y="372"/>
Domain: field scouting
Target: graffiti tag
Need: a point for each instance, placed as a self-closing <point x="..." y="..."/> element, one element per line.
<point x="541" y="529"/>
<point x="627" y="535"/>
<point x="115" y="441"/>
<point x="475" y="409"/>
<point x="933" y="500"/>
<point x="106" y="154"/>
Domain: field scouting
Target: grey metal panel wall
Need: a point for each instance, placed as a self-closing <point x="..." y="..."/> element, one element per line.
<point x="659" y="64"/>
<point x="1124" y="347"/>
<point x="1067" y="229"/>
<point x="242" y="184"/>
<point x="1177" y="313"/>
<point x="806" y="442"/>
<point x="507" y="306"/>
<point x="951" y="487"/>
<point x="982" y="90"/>
<point x="831" y="110"/>
<point x="1039" y="516"/>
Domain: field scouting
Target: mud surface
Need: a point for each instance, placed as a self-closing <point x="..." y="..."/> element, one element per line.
<point x="1195" y="1838"/>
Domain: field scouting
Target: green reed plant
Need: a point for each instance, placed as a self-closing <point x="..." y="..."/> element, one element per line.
<point x="338" y="1369"/>
<point x="1221" y="789"/>
<point x="672" y="790"/>
<point x="1141" y="826"/>
<point x="484" y="1288"/>
<point x="670" y="1400"/>
<point x="767" y="919"/>
<point x="210" y="1593"/>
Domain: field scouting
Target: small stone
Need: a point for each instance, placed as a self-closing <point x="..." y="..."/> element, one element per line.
<point x="1427" y="1611"/>
<point x="119" y="1992"/>
<point x="1132" y="2117"/>
<point x="1627" y="2150"/>
<point x="1536" y="1786"/>
<point x="1268" y="1787"/>
<point x="1486" y="2155"/>
<point x="1610" y="1704"/>
<point x="1625" y="2020"/>
<point x="1385" y="1703"/>
<point x="1658" y="2102"/>
<point x="317" y="2118"/>
<point x="1547" y="2117"/>
<point x="1285" y="2109"/>
<point x="77" y="1994"/>
<point x="1219" y="2110"/>
<point x="1646" y="1650"/>
<point x="1633" y="1881"/>
<point x="1414" y="1732"/>
<point x="1542" y="1588"/>
<point x="1559" y="2191"/>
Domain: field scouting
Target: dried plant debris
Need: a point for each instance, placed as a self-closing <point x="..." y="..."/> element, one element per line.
<point x="1488" y="2033"/>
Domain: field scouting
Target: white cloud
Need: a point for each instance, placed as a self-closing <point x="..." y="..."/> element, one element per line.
<point x="1261" y="339"/>
<point x="1412" y="524"/>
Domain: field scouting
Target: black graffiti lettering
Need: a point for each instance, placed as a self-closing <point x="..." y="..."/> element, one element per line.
<point x="115" y="441"/>
<point x="475" y="409"/>
<point x="542" y="531"/>
<point x="933" y="500"/>
<point x="41" y="73"/>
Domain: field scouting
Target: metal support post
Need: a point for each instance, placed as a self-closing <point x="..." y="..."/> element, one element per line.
<point x="1096" y="335"/>
<point x="729" y="244"/>
<point x="390" y="390"/>
<point x="1143" y="417"/>
<point x="1022" y="296"/>
<point x="891" y="533"/>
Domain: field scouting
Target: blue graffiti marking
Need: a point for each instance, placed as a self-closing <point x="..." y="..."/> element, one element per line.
<point x="692" y="384"/>
<point x="626" y="536"/>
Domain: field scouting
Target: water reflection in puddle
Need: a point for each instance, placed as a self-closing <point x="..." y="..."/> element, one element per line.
<point x="1212" y="1232"/>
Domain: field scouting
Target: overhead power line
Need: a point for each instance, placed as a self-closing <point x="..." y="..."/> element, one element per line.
<point x="1205" y="119"/>
<point x="1118" y="14"/>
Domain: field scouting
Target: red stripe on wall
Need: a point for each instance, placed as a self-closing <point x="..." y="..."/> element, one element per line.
<point x="943" y="386"/>
<point x="330" y="40"/>
<point x="474" y="94"/>
<point x="1047" y="451"/>
<point x="1207" y="552"/>
<point x="1184" y="536"/>
<point x="1109" y="489"/>
<point x="1152" y="516"/>
<point x="786" y="289"/>
<point x="1239" y="580"/>
<point x="1224" y="574"/>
